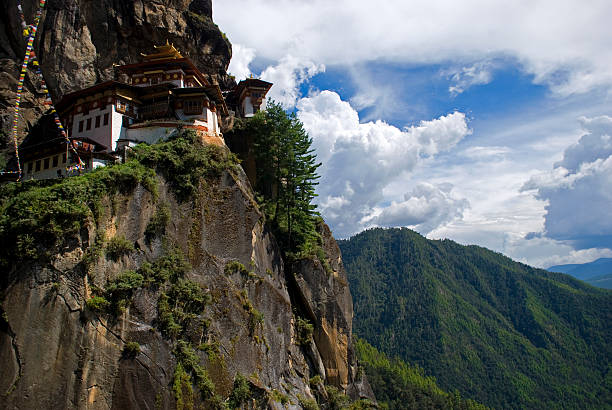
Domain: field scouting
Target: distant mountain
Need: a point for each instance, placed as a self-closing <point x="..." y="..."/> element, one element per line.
<point x="604" y="281"/>
<point x="597" y="273"/>
<point x="500" y="332"/>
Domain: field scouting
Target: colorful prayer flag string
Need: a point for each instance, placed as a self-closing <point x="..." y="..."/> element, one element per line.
<point x="31" y="31"/>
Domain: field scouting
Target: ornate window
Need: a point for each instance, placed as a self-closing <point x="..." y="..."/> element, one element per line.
<point x="192" y="107"/>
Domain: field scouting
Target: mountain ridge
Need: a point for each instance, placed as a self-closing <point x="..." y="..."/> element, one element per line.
<point x="501" y="332"/>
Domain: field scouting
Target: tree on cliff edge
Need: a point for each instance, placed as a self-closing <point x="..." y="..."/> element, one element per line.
<point x="286" y="173"/>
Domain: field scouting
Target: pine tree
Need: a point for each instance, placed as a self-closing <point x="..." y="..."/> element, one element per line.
<point x="286" y="174"/>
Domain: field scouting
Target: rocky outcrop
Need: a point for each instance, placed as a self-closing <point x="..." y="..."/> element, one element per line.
<point x="58" y="352"/>
<point x="79" y="42"/>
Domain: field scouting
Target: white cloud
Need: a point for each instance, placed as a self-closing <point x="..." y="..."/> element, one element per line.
<point x="577" y="189"/>
<point x="544" y="252"/>
<point x="361" y="159"/>
<point x="241" y="58"/>
<point x="562" y="43"/>
<point x="477" y="74"/>
<point x="424" y="208"/>
<point x="287" y="76"/>
<point x="480" y="152"/>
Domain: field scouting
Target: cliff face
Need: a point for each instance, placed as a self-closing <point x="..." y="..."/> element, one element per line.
<point x="79" y="41"/>
<point x="59" y="351"/>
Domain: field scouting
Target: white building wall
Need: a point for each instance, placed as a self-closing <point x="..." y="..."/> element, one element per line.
<point x="117" y="130"/>
<point x="211" y="119"/>
<point x="201" y="117"/>
<point x="50" y="172"/>
<point x="100" y="134"/>
<point x="150" y="135"/>
<point x="247" y="107"/>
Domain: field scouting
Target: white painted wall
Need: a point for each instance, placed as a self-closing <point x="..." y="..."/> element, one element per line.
<point x="247" y="107"/>
<point x="150" y="135"/>
<point x="51" y="172"/>
<point x="117" y="130"/>
<point x="213" y="126"/>
<point x="101" y="134"/>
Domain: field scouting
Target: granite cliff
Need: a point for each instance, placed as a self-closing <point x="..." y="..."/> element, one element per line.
<point x="137" y="290"/>
<point x="79" y="41"/>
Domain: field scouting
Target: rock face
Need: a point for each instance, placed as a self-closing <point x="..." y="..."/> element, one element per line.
<point x="56" y="352"/>
<point x="79" y="41"/>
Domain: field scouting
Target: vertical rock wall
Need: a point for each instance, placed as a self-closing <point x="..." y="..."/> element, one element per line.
<point x="57" y="353"/>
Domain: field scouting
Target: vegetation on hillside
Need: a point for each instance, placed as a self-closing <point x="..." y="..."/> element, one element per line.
<point x="400" y="386"/>
<point x="502" y="333"/>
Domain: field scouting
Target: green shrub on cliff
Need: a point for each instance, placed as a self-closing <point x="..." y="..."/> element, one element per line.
<point x="183" y="160"/>
<point x="117" y="247"/>
<point x="37" y="217"/>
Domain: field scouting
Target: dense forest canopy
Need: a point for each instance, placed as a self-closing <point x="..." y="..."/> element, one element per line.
<point x="501" y="332"/>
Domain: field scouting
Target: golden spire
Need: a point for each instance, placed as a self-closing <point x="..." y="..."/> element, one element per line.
<point x="167" y="51"/>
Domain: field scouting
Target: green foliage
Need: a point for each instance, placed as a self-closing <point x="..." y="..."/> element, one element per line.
<point x="190" y="361"/>
<point x="94" y="252"/>
<point x="120" y="290"/>
<point x="98" y="304"/>
<point x="303" y="330"/>
<point x="157" y="225"/>
<point x="184" y="160"/>
<point x="500" y="332"/>
<point x="168" y="268"/>
<point x="181" y="387"/>
<point x="336" y="400"/>
<point x="307" y="404"/>
<point x="286" y="174"/>
<point x="234" y="266"/>
<point x="315" y="380"/>
<point x="256" y="318"/>
<point x="118" y="246"/>
<point x="399" y="386"/>
<point x="241" y="392"/>
<point x="131" y="350"/>
<point x="180" y="307"/>
<point x="38" y="217"/>
<point x="279" y="397"/>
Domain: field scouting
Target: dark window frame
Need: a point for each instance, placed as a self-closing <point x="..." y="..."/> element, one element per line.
<point x="88" y="127"/>
<point x="81" y="125"/>
<point x="97" y="121"/>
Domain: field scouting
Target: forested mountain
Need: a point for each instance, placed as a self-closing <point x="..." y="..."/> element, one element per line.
<point x="399" y="386"/>
<point x="502" y="333"/>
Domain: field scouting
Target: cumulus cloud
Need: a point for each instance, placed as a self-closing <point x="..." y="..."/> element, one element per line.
<point x="241" y="58"/>
<point x="361" y="159"/>
<point x="562" y="43"/>
<point x="476" y="74"/>
<point x="544" y="252"/>
<point x="577" y="189"/>
<point x="287" y="76"/>
<point x="424" y="208"/>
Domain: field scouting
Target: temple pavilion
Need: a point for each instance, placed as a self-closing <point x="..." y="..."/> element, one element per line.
<point x="159" y="95"/>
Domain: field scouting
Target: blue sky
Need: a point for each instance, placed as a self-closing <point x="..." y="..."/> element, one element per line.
<point x="485" y="122"/>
